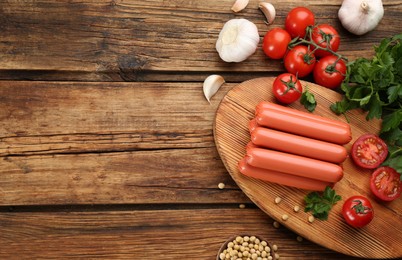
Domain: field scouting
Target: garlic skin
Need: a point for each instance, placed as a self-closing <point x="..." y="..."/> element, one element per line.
<point x="211" y="85"/>
<point x="360" y="16"/>
<point x="237" y="40"/>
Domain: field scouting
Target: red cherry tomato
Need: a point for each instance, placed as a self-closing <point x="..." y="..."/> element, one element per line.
<point x="386" y="183"/>
<point x="297" y="21"/>
<point x="369" y="151"/>
<point x="357" y="211"/>
<point x="325" y="36"/>
<point x="299" y="61"/>
<point x="276" y="43"/>
<point x="287" y="88"/>
<point x="329" y="72"/>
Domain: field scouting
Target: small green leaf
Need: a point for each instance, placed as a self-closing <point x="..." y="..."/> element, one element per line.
<point x="395" y="163"/>
<point x="359" y="79"/>
<point x="308" y="100"/>
<point x="320" y="205"/>
<point x="337" y="108"/>
<point x="391" y="121"/>
<point x="393" y="92"/>
<point x="375" y="108"/>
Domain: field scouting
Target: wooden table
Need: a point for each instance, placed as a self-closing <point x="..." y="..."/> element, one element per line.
<point x="106" y="140"/>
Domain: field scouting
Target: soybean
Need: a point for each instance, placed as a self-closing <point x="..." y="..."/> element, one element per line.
<point x="247" y="247"/>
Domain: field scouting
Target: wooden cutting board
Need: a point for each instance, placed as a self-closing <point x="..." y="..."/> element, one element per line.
<point x="382" y="238"/>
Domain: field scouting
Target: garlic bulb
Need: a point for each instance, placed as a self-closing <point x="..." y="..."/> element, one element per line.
<point x="237" y="40"/>
<point x="360" y="16"/>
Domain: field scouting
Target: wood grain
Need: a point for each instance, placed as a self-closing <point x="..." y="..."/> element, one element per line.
<point x="74" y="117"/>
<point x="130" y="170"/>
<point x="131" y="40"/>
<point x="146" y="234"/>
<point x="379" y="239"/>
<point x="98" y="143"/>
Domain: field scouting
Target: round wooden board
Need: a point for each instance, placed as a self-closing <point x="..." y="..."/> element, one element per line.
<point x="382" y="238"/>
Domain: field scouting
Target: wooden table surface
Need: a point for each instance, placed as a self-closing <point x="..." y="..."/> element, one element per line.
<point x="106" y="140"/>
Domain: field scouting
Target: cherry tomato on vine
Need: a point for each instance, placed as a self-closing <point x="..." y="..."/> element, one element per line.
<point x="299" y="61"/>
<point x="287" y="88"/>
<point x="329" y="72"/>
<point x="357" y="211"/>
<point x="369" y="151"/>
<point x="386" y="184"/>
<point x="324" y="35"/>
<point x="276" y="43"/>
<point x="297" y="21"/>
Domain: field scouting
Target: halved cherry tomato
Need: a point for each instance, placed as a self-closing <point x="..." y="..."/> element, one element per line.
<point x="357" y="211"/>
<point x="386" y="183"/>
<point x="275" y="43"/>
<point x="325" y="36"/>
<point x="299" y="61"/>
<point x="329" y="72"/>
<point x="297" y="21"/>
<point x="369" y="151"/>
<point x="287" y="88"/>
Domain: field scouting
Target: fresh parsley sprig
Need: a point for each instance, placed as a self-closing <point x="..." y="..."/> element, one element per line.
<point x="308" y="100"/>
<point x="320" y="205"/>
<point x="375" y="85"/>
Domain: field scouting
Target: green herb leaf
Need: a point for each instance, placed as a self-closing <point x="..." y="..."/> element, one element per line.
<point x="308" y="100"/>
<point x="394" y="159"/>
<point x="391" y="121"/>
<point x="393" y="137"/>
<point x="393" y="92"/>
<point x="374" y="85"/>
<point x="396" y="163"/>
<point x="320" y="205"/>
<point x="375" y="108"/>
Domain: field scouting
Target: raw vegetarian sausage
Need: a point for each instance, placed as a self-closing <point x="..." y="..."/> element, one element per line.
<point x="273" y="106"/>
<point x="303" y="126"/>
<point x="293" y="164"/>
<point x="299" y="145"/>
<point x="281" y="178"/>
<point x="252" y="125"/>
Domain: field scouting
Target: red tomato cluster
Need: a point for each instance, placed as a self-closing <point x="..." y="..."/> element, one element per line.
<point x="307" y="48"/>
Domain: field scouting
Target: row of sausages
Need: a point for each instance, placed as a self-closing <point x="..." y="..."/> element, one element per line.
<point x="295" y="148"/>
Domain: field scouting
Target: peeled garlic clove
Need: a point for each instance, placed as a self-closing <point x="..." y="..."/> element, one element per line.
<point x="268" y="10"/>
<point x="239" y="5"/>
<point x="211" y="85"/>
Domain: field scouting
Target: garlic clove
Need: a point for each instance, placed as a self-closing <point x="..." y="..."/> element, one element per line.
<point x="239" y="5"/>
<point x="268" y="10"/>
<point x="211" y="85"/>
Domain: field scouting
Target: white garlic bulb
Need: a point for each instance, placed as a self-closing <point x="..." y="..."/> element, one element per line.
<point x="237" y="40"/>
<point x="360" y="16"/>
